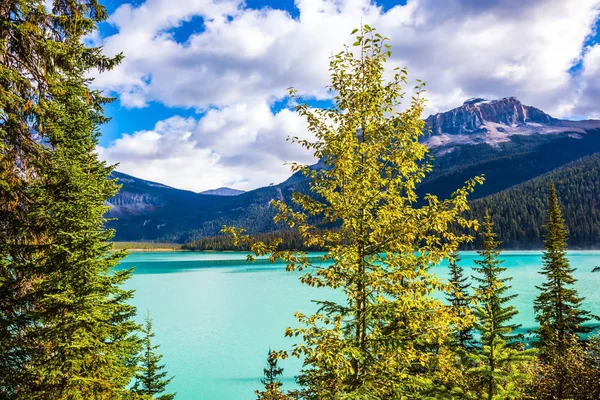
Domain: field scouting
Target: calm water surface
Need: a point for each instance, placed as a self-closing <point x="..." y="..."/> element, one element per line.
<point x="216" y="316"/>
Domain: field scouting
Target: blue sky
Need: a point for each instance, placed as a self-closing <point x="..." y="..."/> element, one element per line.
<point x="201" y="95"/>
<point x="128" y="120"/>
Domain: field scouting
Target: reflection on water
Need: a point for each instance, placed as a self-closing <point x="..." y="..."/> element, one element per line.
<point x="144" y="263"/>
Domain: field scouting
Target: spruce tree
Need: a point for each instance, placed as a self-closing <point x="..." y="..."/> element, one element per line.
<point x="66" y="328"/>
<point x="381" y="341"/>
<point x="558" y="306"/>
<point x="497" y="372"/>
<point x="460" y="299"/>
<point x="151" y="379"/>
<point x="271" y="382"/>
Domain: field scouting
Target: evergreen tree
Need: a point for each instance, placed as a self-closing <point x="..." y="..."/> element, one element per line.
<point x="381" y="340"/>
<point x="66" y="330"/>
<point x="272" y="371"/>
<point x="151" y="380"/>
<point x="557" y="307"/>
<point x="500" y="369"/>
<point x="460" y="299"/>
<point x="271" y="380"/>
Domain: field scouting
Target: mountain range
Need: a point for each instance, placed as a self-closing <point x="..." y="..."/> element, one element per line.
<point x="507" y="141"/>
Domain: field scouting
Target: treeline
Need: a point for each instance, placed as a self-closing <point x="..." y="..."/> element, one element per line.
<point x="491" y="359"/>
<point x="519" y="212"/>
<point x="288" y="240"/>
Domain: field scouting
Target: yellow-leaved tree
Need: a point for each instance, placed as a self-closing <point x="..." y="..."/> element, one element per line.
<point x="389" y="338"/>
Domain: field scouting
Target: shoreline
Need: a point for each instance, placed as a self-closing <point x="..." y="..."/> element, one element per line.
<point x="171" y="250"/>
<point x="157" y="250"/>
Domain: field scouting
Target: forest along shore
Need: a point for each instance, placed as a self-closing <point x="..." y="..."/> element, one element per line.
<point x="147" y="246"/>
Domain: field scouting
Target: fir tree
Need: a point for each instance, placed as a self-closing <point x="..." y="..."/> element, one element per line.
<point x="271" y="382"/>
<point x="460" y="299"/>
<point x="151" y="380"/>
<point x="66" y="330"/>
<point x="557" y="307"/>
<point x="381" y="340"/>
<point x="497" y="372"/>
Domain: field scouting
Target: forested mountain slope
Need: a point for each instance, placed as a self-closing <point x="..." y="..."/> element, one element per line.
<point x="515" y="162"/>
<point x="508" y="142"/>
<point x="144" y="210"/>
<point x="519" y="212"/>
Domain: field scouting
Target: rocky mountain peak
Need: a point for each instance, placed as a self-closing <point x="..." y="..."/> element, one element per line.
<point x="475" y="115"/>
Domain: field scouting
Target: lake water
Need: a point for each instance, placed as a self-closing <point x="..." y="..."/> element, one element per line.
<point x="216" y="316"/>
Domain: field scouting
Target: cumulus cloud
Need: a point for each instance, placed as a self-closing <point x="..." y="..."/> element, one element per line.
<point x="589" y="94"/>
<point x="243" y="59"/>
<point x="241" y="146"/>
<point x="461" y="47"/>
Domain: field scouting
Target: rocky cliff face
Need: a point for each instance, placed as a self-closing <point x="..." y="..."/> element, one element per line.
<point x="474" y="114"/>
<point x="494" y="121"/>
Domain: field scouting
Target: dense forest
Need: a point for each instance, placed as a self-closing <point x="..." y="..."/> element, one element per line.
<point x="509" y="164"/>
<point x="519" y="212"/>
<point x="288" y="240"/>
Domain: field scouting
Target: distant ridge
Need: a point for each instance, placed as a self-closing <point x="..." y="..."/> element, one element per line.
<point x="508" y="142"/>
<point x="223" y="191"/>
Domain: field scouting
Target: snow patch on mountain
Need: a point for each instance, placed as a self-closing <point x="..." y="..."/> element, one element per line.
<point x="494" y="122"/>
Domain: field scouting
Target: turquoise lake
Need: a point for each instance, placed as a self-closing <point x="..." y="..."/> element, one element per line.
<point x="216" y="316"/>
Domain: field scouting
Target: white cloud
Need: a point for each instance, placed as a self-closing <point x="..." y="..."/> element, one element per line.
<point x="245" y="58"/>
<point x="589" y="94"/>
<point x="242" y="146"/>
<point x="460" y="47"/>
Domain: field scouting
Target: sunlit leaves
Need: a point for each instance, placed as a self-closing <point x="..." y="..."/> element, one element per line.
<point x="389" y="337"/>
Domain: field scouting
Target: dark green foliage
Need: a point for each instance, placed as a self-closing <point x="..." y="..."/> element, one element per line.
<point x="492" y="288"/>
<point x="290" y="240"/>
<point x="272" y="384"/>
<point x="557" y="307"/>
<point x="272" y="372"/>
<point x="514" y="162"/>
<point x="151" y="379"/>
<point x="519" y="213"/>
<point x="65" y="323"/>
<point x="499" y="362"/>
<point x="460" y="299"/>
